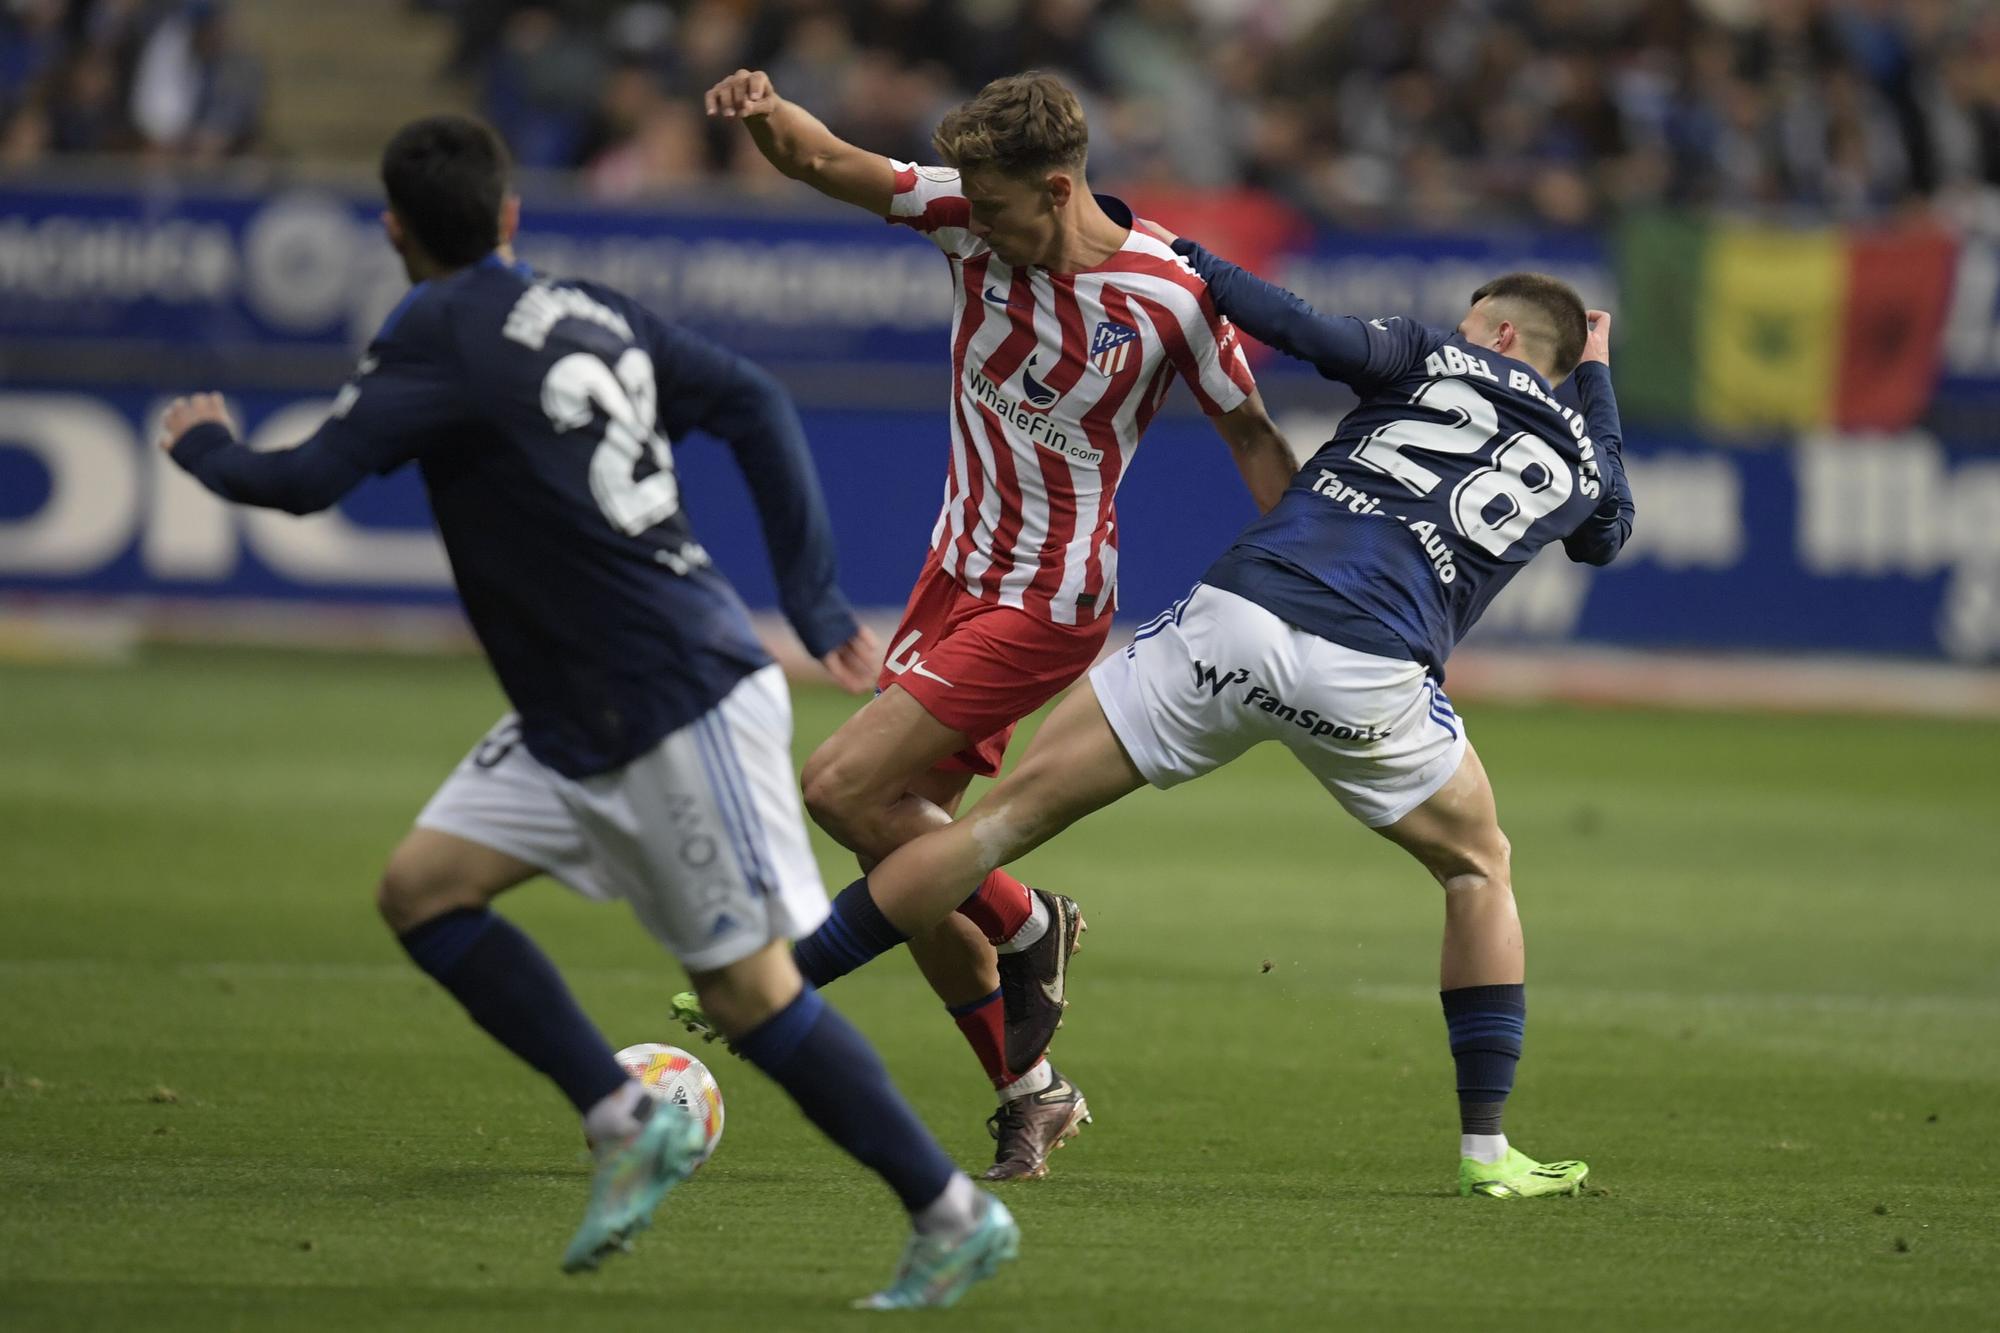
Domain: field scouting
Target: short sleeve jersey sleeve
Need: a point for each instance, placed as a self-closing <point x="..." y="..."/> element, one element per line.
<point x="932" y="201"/>
<point x="1218" y="372"/>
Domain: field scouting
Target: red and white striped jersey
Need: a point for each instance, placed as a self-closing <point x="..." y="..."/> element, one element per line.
<point x="1055" y="377"/>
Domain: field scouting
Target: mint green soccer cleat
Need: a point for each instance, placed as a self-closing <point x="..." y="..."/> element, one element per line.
<point x="632" y="1176"/>
<point x="933" y="1274"/>
<point x="1519" y="1176"/>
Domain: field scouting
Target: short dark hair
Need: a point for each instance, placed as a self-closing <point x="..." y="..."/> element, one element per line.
<point x="446" y="178"/>
<point x="1022" y="124"/>
<point x="1554" y="316"/>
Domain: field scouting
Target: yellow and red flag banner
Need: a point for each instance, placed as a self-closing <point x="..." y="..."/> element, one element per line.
<point x="1744" y="327"/>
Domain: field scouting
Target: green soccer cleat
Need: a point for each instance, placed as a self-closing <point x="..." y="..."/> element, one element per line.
<point x="632" y="1176"/>
<point x="933" y="1274"/>
<point x="1519" y="1176"/>
<point x="687" y="1011"/>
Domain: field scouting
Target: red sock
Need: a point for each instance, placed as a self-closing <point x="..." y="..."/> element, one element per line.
<point x="999" y="906"/>
<point x="984" y="1024"/>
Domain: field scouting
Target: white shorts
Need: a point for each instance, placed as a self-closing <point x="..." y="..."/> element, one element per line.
<point x="703" y="834"/>
<point x="1218" y="674"/>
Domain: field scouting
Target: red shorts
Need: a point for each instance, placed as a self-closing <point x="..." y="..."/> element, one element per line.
<point x="979" y="667"/>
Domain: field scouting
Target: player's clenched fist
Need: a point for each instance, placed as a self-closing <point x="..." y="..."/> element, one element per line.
<point x="1597" y="344"/>
<point x="747" y="92"/>
<point x="184" y="414"/>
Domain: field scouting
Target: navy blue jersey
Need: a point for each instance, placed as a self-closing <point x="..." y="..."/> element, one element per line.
<point x="541" y="414"/>
<point x="1457" y="466"/>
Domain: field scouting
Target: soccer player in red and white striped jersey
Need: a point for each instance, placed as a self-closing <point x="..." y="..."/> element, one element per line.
<point x="1070" y="326"/>
<point x="1055" y="377"/>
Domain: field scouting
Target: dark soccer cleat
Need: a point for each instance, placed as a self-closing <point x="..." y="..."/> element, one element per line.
<point x="1034" y="981"/>
<point x="1027" y="1129"/>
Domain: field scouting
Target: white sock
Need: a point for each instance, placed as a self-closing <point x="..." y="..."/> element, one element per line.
<point x="617" y="1115"/>
<point x="1487" y="1148"/>
<point x="953" y="1214"/>
<point x="1032" y="930"/>
<point x="1034" y="1081"/>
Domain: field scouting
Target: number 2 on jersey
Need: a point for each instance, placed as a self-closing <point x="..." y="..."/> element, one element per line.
<point x="580" y="386"/>
<point x="1525" y="478"/>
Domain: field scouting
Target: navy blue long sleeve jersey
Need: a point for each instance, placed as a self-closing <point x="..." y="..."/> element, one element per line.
<point x="1455" y="468"/>
<point x="540" y="413"/>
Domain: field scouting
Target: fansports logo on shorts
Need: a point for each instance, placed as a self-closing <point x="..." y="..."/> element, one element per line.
<point x="1216" y="679"/>
<point x="1311" y="720"/>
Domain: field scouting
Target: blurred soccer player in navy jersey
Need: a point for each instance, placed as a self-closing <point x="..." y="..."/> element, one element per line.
<point x="647" y="757"/>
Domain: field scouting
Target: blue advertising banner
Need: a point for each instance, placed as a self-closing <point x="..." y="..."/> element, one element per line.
<point x="307" y="269"/>
<point x="1871" y="544"/>
<point x="278" y="288"/>
<point x="110" y="298"/>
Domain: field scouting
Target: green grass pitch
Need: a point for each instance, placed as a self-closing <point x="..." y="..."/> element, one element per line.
<point x="1765" y="1006"/>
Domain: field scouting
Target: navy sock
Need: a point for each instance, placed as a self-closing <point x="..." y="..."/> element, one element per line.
<point x="1486" y="1024"/>
<point x="835" y="1076"/>
<point x="854" y="933"/>
<point x="513" y="991"/>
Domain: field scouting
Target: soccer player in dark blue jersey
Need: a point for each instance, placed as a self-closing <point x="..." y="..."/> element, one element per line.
<point x="1326" y="628"/>
<point x="647" y="757"/>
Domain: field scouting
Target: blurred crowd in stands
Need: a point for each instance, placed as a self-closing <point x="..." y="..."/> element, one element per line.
<point x="164" y="78"/>
<point x="1433" y="112"/>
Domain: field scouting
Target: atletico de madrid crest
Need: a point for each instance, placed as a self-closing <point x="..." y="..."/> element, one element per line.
<point x="1110" y="346"/>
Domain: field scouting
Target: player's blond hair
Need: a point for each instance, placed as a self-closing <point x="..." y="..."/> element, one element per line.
<point x="1023" y="124"/>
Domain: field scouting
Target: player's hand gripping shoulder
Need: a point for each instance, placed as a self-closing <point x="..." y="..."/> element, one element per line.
<point x="798" y="144"/>
<point x="1340" y="347"/>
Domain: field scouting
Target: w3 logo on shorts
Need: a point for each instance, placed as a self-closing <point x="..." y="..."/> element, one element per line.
<point x="1217" y="679"/>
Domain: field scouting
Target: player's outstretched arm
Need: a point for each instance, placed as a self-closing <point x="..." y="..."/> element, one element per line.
<point x="1337" y="346"/>
<point x="798" y="144"/>
<point x="707" y="388"/>
<point x="1260" y="450"/>
<point x="1600" y="537"/>
<point x="198" y="434"/>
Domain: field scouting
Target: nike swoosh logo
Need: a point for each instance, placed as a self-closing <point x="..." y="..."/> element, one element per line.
<point x="994" y="298"/>
<point x="1053" y="989"/>
<point x="929" y="674"/>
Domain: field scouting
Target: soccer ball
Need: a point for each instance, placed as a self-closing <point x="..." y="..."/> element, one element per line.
<point x="672" y="1075"/>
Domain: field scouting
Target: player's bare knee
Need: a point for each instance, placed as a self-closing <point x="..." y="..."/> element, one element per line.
<point x="411" y="891"/>
<point x="834" y="799"/>
<point x="1484" y="864"/>
<point x="403" y="895"/>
